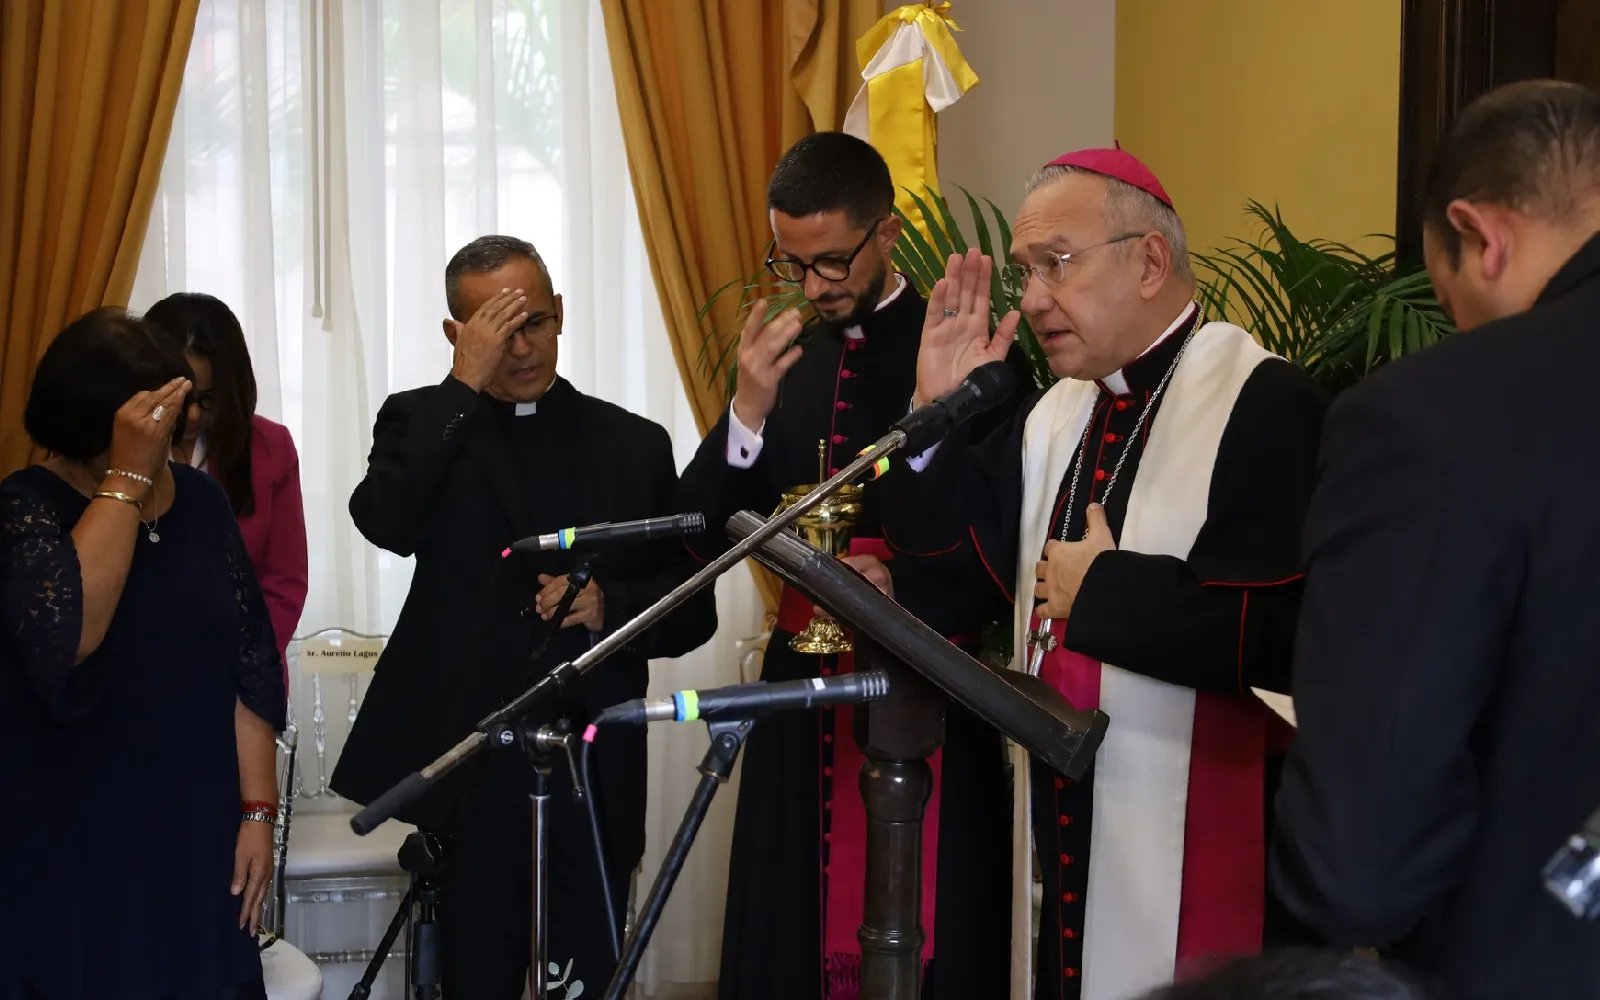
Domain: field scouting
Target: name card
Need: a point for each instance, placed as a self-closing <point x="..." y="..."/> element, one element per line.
<point x="339" y="653"/>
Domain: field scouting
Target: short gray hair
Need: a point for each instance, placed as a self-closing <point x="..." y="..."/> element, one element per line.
<point x="1130" y="209"/>
<point x="484" y="255"/>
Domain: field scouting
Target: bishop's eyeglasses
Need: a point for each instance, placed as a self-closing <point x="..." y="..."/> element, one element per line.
<point x="827" y="268"/>
<point x="1059" y="266"/>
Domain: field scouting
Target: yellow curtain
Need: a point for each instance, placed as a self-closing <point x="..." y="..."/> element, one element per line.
<point x="87" y="93"/>
<point x="711" y="93"/>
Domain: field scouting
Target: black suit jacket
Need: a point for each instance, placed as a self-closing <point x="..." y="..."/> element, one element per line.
<point x="1447" y="673"/>
<point x="445" y="483"/>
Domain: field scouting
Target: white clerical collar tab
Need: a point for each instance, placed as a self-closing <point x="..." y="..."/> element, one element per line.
<point x="527" y="409"/>
<point x="899" y="286"/>
<point x="855" y="332"/>
<point x="1117" y="383"/>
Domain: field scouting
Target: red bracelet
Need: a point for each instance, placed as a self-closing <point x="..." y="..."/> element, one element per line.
<point x="261" y="812"/>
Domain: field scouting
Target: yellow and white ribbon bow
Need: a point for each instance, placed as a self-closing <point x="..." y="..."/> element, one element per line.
<point x="913" y="70"/>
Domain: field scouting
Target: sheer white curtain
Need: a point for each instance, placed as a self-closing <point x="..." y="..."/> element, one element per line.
<point x="326" y="160"/>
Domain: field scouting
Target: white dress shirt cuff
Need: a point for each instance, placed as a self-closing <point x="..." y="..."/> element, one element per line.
<point x="744" y="444"/>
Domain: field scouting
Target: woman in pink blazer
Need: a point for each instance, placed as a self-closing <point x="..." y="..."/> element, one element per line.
<point x="252" y="457"/>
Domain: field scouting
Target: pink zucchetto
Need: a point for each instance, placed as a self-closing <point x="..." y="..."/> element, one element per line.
<point x="1123" y="166"/>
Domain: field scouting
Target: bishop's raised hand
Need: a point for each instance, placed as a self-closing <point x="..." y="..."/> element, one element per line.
<point x="955" y="334"/>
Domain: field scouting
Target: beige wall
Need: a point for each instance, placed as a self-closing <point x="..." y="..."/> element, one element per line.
<point x="1293" y="102"/>
<point x="1286" y="101"/>
<point x="1046" y="73"/>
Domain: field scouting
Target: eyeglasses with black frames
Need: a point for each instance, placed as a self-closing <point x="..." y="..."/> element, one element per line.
<point x="827" y="268"/>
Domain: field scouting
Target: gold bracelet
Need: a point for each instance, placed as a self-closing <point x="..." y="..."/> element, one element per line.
<point x="123" y="497"/>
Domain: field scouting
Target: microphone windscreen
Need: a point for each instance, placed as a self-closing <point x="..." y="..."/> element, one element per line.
<point x="984" y="388"/>
<point x="994" y="381"/>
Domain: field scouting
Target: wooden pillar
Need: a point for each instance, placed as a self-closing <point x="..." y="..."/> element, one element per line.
<point x="897" y="736"/>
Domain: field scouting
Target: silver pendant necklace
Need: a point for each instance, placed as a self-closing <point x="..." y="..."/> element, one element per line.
<point x="150" y="528"/>
<point x="1042" y="641"/>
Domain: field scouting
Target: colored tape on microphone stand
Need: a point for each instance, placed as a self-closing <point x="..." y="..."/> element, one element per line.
<point x="880" y="466"/>
<point x="687" y="704"/>
<point x="568" y="536"/>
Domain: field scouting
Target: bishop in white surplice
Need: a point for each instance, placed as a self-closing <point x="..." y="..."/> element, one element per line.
<point x="1144" y="515"/>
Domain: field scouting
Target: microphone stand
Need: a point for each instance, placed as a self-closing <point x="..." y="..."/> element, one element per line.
<point x="541" y="745"/>
<point x="727" y="739"/>
<point x="417" y="784"/>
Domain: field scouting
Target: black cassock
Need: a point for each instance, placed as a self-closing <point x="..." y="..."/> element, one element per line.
<point x="847" y="392"/>
<point x="455" y="477"/>
<point x="1221" y="621"/>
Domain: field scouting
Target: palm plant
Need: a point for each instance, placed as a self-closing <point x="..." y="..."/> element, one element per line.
<point x="1326" y="306"/>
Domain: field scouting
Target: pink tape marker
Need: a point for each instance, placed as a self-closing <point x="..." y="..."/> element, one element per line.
<point x="506" y="553"/>
<point x="588" y="734"/>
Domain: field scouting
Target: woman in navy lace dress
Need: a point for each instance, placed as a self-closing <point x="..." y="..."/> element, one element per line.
<point x="140" y="686"/>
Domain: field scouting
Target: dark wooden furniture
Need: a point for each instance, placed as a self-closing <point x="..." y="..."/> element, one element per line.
<point x="1451" y="51"/>
<point x="898" y="734"/>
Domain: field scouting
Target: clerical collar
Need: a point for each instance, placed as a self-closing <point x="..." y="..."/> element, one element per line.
<point x="552" y="396"/>
<point x="854" y="332"/>
<point x="1117" y="382"/>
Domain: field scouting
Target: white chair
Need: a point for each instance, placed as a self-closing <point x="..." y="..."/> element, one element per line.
<point x="341" y="889"/>
<point x="287" y="972"/>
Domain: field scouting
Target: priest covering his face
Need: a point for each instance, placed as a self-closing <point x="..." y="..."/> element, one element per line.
<point x="1144" y="513"/>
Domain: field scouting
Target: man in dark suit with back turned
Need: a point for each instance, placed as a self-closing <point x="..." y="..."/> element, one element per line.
<point x="501" y="449"/>
<point x="1447" y="672"/>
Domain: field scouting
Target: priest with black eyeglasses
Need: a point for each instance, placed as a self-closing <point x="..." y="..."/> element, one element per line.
<point x="840" y="381"/>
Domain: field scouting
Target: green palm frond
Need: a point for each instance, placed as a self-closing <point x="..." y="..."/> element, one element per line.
<point x="1334" y="310"/>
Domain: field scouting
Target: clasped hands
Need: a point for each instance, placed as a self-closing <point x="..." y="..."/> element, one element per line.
<point x="1060" y="573"/>
<point x="588" y="608"/>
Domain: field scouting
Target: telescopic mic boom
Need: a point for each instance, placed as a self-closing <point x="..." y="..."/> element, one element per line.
<point x="750" y="701"/>
<point x="620" y="531"/>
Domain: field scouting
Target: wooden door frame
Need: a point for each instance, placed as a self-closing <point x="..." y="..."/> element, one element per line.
<point x="1451" y="51"/>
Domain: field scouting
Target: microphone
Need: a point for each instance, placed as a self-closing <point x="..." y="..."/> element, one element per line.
<point x="750" y="701"/>
<point x="984" y="388"/>
<point x="1572" y="875"/>
<point x="622" y="531"/>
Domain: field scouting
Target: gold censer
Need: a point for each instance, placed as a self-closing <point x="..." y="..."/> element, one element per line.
<point x="828" y="526"/>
